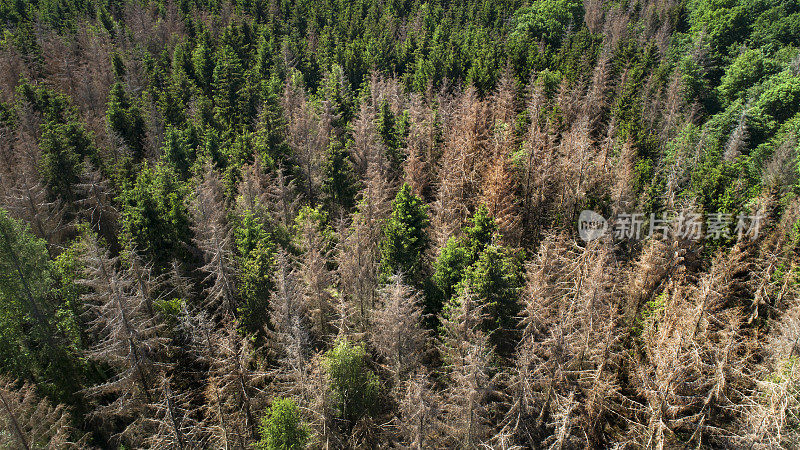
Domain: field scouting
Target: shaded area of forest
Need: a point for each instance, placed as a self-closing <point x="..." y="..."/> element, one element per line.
<point x="289" y="224"/>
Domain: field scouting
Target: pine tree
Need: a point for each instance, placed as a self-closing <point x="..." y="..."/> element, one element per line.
<point x="255" y="251"/>
<point x="64" y="147"/>
<point x="398" y="334"/>
<point x="495" y="281"/>
<point x="352" y="385"/>
<point x="405" y="238"/>
<point x="386" y="127"/>
<point x="306" y="136"/>
<point x="567" y="305"/>
<point x="33" y="323"/>
<point x="126" y="120"/>
<point x="203" y="63"/>
<point x="176" y="151"/>
<point x="155" y="219"/>
<point x="282" y="427"/>
<point x="338" y="183"/>
<point x="284" y="200"/>
<point x="458" y="255"/>
<point x="418" y="168"/>
<point x="125" y="335"/>
<point x="29" y="422"/>
<point x="214" y="237"/>
<point x="229" y="84"/>
<point x="365" y="138"/>
<point x="270" y="136"/>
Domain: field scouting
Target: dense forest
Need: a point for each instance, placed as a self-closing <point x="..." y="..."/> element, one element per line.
<point x="281" y="224"/>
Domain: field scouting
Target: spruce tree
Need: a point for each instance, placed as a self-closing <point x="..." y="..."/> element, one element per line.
<point x="405" y="238"/>
<point x="339" y="183"/>
<point x="386" y="125"/>
<point x="126" y="119"/>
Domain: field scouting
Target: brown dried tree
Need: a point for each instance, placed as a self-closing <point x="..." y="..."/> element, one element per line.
<point x="233" y="398"/>
<point x="471" y="382"/>
<point x="29" y="422"/>
<point x="173" y="422"/>
<point x="125" y="335"/>
<point x="397" y="333"/>
<point x="214" y="237"/>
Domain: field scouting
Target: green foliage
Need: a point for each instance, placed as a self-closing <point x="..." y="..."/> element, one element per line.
<point x="64" y="147"/>
<point x="118" y="65"/>
<point x="229" y="82"/>
<point x="744" y="72"/>
<point x="65" y="143"/>
<point x="544" y="21"/>
<point x="203" y="63"/>
<point x="282" y="427"/>
<point x="269" y="141"/>
<point x="339" y="182"/>
<point x="313" y="221"/>
<point x="779" y="101"/>
<point x="255" y="249"/>
<point x="495" y="280"/>
<point x="37" y="327"/>
<point x="67" y="273"/>
<point x="352" y="384"/>
<point x="53" y="106"/>
<point x="458" y="254"/>
<point x="126" y="119"/>
<point x="386" y="126"/>
<point x="179" y="150"/>
<point x="169" y="310"/>
<point x="336" y="90"/>
<point x="650" y="313"/>
<point x="155" y="220"/>
<point x="405" y="237"/>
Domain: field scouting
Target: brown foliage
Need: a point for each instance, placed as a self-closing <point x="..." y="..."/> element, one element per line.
<point x="28" y="421"/>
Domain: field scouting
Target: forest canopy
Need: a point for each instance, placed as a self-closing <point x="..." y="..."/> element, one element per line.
<point x="283" y="224"/>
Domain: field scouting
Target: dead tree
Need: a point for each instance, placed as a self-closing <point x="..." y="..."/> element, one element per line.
<point x="214" y="237"/>
<point x="419" y="166"/>
<point x="461" y="166"/>
<point x="467" y="353"/>
<point x="694" y="366"/>
<point x="563" y="382"/>
<point x="317" y="279"/>
<point x="397" y="333"/>
<point x="29" y="422"/>
<point x="28" y="200"/>
<point x="97" y="205"/>
<point x="358" y="264"/>
<point x="419" y="413"/>
<point x="233" y="392"/>
<point x="173" y="422"/>
<point x="126" y="336"/>
<point x="289" y="336"/>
